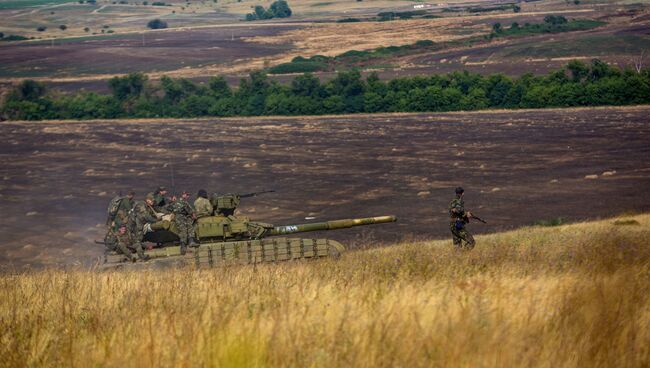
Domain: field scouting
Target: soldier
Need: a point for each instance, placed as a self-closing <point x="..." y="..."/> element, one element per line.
<point x="124" y="242"/>
<point x="183" y="219"/>
<point x="459" y="218"/>
<point x="141" y="215"/>
<point x="202" y="206"/>
<point x="118" y="209"/>
<point x="126" y="204"/>
<point x="159" y="200"/>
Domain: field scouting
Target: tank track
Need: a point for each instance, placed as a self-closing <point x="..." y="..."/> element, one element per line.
<point x="232" y="252"/>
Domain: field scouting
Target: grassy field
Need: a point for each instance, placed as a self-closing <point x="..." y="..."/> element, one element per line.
<point x="570" y="296"/>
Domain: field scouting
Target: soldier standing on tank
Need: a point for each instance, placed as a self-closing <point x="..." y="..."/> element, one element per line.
<point x="202" y="205"/>
<point x="183" y="219"/>
<point x="159" y="200"/>
<point x="143" y="213"/>
<point x="459" y="219"/>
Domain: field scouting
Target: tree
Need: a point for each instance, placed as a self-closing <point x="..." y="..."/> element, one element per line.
<point x="578" y="70"/>
<point x="219" y="87"/>
<point x="2" y="35"/>
<point x="496" y="28"/>
<point x="128" y="87"/>
<point x="157" y="24"/>
<point x="63" y="27"/>
<point x="516" y="8"/>
<point x="280" y="9"/>
<point x="41" y="28"/>
<point x="306" y="85"/>
<point x="555" y="20"/>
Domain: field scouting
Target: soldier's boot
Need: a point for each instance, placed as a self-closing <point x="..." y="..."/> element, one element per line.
<point x="140" y="250"/>
<point x="183" y="248"/>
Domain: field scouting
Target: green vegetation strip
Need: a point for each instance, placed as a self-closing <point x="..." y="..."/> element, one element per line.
<point x="552" y="24"/>
<point x="578" y="84"/>
<point x="18" y="4"/>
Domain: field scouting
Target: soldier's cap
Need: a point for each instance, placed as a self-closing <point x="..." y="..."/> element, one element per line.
<point x="459" y="190"/>
<point x="202" y="193"/>
<point x="131" y="193"/>
<point x="149" y="196"/>
<point x="160" y="189"/>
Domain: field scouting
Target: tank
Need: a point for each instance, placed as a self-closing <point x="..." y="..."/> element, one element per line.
<point x="225" y="238"/>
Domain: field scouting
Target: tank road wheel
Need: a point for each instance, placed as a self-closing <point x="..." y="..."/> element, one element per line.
<point x="335" y="249"/>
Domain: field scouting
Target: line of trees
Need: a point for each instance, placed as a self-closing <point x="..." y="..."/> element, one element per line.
<point x="577" y="84"/>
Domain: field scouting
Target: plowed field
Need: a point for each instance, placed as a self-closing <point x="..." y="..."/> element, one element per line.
<point x="517" y="167"/>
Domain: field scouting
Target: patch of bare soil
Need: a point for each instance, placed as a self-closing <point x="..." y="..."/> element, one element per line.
<point x="517" y="167"/>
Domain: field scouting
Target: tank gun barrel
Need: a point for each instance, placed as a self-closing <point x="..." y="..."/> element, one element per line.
<point x="330" y="225"/>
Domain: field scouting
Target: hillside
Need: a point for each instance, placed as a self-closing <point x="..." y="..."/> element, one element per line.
<point x="572" y="296"/>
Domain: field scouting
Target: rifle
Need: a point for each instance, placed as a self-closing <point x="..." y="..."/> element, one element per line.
<point x="254" y="194"/>
<point x="478" y="218"/>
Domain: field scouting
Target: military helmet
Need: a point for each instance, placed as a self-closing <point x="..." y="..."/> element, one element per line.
<point x="459" y="190"/>
<point x="149" y="196"/>
<point x="202" y="193"/>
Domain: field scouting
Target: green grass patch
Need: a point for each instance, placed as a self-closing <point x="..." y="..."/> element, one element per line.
<point x="18" y="4"/>
<point x="298" y="67"/>
<point x="351" y="58"/>
<point x="626" y="222"/>
<point x="552" y="222"/>
<point x="490" y="9"/>
<point x="14" y="38"/>
<point x="527" y="29"/>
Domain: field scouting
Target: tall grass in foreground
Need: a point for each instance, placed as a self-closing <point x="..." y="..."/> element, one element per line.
<point x="567" y="296"/>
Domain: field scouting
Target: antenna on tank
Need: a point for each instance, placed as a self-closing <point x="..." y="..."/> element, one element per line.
<point x="171" y="172"/>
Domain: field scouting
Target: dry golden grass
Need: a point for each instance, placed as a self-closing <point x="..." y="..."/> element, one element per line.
<point x="569" y="296"/>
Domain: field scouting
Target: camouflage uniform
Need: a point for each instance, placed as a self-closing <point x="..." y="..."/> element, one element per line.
<point x="160" y="202"/>
<point x="123" y="245"/>
<point x="141" y="214"/>
<point x="183" y="220"/>
<point x="121" y="218"/>
<point x="202" y="207"/>
<point x="457" y="225"/>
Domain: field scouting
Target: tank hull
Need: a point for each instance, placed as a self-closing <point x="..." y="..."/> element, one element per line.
<point x="269" y="250"/>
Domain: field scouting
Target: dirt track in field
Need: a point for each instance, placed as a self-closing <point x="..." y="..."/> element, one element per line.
<point x="517" y="167"/>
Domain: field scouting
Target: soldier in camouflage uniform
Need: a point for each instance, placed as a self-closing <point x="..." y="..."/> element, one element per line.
<point x="202" y="205"/>
<point x="126" y="204"/>
<point x="142" y="214"/>
<point x="124" y="242"/>
<point x="159" y="200"/>
<point x="183" y="219"/>
<point x="460" y="218"/>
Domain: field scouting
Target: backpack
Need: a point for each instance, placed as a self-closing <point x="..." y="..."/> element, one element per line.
<point x="113" y="207"/>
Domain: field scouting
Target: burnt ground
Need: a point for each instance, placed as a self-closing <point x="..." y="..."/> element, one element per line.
<point x="118" y="54"/>
<point x="517" y="167"/>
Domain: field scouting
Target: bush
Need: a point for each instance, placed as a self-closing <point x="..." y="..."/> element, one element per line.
<point x="298" y="67"/>
<point x="157" y="24"/>
<point x="424" y="43"/>
<point x="41" y="28"/>
<point x="349" y="20"/>
<point x="63" y="27"/>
